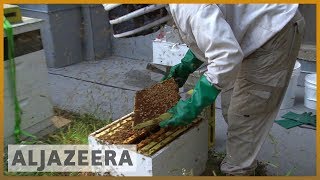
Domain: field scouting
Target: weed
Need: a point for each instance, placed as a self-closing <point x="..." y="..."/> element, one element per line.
<point x="290" y="171"/>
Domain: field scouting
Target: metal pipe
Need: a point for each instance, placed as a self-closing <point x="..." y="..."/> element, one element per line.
<point x="140" y="29"/>
<point x="137" y="13"/>
<point x="108" y="7"/>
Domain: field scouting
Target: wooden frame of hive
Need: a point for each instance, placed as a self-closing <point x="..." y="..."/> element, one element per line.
<point x="147" y="142"/>
<point x="164" y="152"/>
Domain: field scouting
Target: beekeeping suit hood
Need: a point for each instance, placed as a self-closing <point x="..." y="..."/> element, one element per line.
<point x="130" y="20"/>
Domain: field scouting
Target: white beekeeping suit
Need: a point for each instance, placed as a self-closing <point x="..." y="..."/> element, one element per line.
<point x="251" y="51"/>
<point x="223" y="35"/>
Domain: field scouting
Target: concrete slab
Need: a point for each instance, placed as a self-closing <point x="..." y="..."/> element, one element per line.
<point x="136" y="47"/>
<point x="85" y="97"/>
<point x="118" y="72"/>
<point x="103" y="88"/>
<point x="290" y="151"/>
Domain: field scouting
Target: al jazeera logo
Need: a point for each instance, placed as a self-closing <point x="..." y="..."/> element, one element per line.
<point x="71" y="158"/>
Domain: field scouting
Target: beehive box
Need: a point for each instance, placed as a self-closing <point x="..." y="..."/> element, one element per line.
<point x="31" y="81"/>
<point x="160" y="152"/>
<point x="209" y="112"/>
<point x="12" y="13"/>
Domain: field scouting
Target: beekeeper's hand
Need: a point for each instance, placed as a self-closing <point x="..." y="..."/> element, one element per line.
<point x="181" y="71"/>
<point x="185" y="111"/>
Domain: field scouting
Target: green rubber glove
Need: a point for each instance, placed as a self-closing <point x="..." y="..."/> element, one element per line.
<point x="181" y="71"/>
<point x="185" y="111"/>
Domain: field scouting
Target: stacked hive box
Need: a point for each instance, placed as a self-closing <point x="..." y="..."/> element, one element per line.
<point x="162" y="152"/>
<point x="31" y="81"/>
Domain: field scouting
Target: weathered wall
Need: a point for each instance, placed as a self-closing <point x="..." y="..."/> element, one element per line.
<point x="63" y="32"/>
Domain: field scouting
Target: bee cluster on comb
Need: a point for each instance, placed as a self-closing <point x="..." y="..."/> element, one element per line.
<point x="155" y="100"/>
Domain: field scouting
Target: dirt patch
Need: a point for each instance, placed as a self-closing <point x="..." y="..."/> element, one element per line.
<point x="156" y="100"/>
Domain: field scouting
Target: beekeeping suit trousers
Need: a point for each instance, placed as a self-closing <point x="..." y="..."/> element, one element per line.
<point x="251" y="51"/>
<point x="250" y="107"/>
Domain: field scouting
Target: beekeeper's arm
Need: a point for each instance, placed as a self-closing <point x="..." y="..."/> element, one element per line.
<point x="180" y="72"/>
<point x="216" y="40"/>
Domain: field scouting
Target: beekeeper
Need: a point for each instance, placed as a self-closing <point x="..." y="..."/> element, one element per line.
<point x="250" y="51"/>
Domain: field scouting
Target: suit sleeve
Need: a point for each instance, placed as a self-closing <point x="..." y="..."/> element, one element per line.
<point x="215" y="38"/>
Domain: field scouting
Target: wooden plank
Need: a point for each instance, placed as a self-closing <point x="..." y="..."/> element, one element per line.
<point x="147" y="147"/>
<point x="134" y="137"/>
<point x="111" y="128"/>
<point x="172" y="137"/>
<point x="150" y="139"/>
<point x="128" y="117"/>
<point x="166" y="141"/>
<point x="154" y="121"/>
<point x="154" y="142"/>
<point x="59" y="122"/>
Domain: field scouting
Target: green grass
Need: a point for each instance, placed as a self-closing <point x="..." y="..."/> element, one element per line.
<point x="74" y="133"/>
<point x="77" y="131"/>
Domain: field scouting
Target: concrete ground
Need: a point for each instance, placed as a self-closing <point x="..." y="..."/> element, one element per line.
<point x="103" y="88"/>
<point x="106" y="89"/>
<point x="285" y="151"/>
